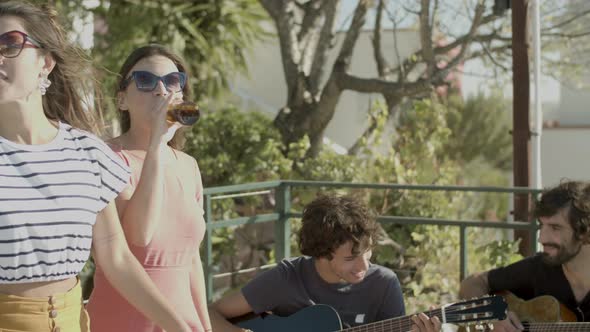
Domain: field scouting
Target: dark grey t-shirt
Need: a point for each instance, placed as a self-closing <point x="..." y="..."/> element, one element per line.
<point x="295" y="284"/>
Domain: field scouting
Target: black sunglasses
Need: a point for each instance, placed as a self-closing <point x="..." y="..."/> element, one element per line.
<point x="13" y="42"/>
<point x="147" y="82"/>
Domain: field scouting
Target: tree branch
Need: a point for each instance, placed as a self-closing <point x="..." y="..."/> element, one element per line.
<point x="464" y="39"/>
<point x="332" y="90"/>
<point x="349" y="82"/>
<point x="426" y="37"/>
<point x="343" y="60"/>
<point x="493" y="50"/>
<point x="382" y="66"/>
<point x="308" y="35"/>
<point x="491" y="57"/>
<point x="312" y="11"/>
<point x="402" y="73"/>
<point x="318" y="66"/>
<point x="411" y="61"/>
<point x="392" y="101"/>
<point x="272" y="7"/>
<point x="440" y="74"/>
<point x="567" y="35"/>
<point x="376" y="85"/>
<point x="568" y="21"/>
<point x="282" y="13"/>
<point x="434" y="12"/>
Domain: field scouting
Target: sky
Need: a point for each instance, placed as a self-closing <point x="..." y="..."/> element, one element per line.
<point x="472" y="83"/>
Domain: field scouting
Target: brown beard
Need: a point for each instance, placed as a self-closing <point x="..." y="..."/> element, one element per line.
<point x="563" y="256"/>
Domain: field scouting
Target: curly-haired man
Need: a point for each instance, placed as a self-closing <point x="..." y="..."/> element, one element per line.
<point x="336" y="237"/>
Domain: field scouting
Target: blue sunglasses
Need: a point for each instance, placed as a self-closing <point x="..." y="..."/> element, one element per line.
<point x="147" y="82"/>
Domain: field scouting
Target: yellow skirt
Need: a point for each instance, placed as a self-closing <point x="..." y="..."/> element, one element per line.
<point x="58" y="313"/>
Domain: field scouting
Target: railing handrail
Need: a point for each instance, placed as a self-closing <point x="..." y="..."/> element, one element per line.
<point x="283" y="213"/>
<point x="334" y="184"/>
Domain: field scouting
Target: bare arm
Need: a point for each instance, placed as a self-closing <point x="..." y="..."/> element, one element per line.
<point x="199" y="293"/>
<point x="198" y="290"/>
<point x="141" y="209"/>
<point x="140" y="213"/>
<point x="477" y="285"/>
<point x="233" y="305"/>
<point x="125" y="273"/>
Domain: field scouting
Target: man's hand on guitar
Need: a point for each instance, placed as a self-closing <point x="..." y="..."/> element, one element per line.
<point x="510" y="324"/>
<point x="423" y="323"/>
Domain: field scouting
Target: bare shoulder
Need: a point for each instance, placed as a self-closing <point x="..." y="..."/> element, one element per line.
<point x="115" y="143"/>
<point x="185" y="160"/>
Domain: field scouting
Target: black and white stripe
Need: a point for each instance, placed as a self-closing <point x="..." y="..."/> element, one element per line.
<point x="49" y="198"/>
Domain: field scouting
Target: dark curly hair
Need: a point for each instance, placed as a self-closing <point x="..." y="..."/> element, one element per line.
<point x="573" y="197"/>
<point x="330" y="221"/>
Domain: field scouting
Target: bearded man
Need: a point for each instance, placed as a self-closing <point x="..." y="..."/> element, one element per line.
<point x="562" y="270"/>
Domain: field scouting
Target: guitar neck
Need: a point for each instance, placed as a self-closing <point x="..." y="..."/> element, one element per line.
<point x="557" y="327"/>
<point x="398" y="324"/>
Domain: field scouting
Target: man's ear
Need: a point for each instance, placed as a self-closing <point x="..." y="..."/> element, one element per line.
<point x="122" y="101"/>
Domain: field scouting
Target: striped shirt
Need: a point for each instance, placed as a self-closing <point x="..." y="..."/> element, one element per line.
<point x="50" y="195"/>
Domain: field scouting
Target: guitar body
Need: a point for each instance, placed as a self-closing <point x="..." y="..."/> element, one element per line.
<point x="542" y="313"/>
<point x="317" y="318"/>
<point x="323" y="318"/>
<point x="540" y="309"/>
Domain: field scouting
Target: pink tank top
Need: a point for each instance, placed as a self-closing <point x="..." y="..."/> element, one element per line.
<point x="168" y="258"/>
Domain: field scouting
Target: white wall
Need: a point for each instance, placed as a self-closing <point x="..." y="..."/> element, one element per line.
<point x="565" y="153"/>
<point x="574" y="103"/>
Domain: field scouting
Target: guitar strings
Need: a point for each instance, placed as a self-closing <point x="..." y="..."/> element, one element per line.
<point x="557" y="327"/>
<point x="405" y="323"/>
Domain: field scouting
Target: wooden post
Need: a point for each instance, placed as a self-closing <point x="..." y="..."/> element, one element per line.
<point x="521" y="133"/>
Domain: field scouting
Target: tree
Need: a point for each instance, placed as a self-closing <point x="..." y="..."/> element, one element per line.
<point x="235" y="147"/>
<point x="211" y="35"/>
<point x="480" y="129"/>
<point x="305" y="30"/>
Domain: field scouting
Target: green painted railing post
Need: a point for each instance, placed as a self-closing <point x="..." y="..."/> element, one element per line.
<point x="463" y="252"/>
<point x="208" y="245"/>
<point x="534" y="236"/>
<point x="282" y="225"/>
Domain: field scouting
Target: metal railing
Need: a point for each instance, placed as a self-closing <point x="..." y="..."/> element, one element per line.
<point x="282" y="215"/>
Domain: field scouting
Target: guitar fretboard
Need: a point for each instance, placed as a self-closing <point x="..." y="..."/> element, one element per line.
<point x="399" y="324"/>
<point x="556" y="327"/>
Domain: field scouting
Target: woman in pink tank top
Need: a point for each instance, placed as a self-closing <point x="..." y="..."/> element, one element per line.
<point x="162" y="210"/>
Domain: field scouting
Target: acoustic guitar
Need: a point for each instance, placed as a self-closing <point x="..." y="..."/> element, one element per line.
<point x="323" y="318"/>
<point x="544" y="313"/>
